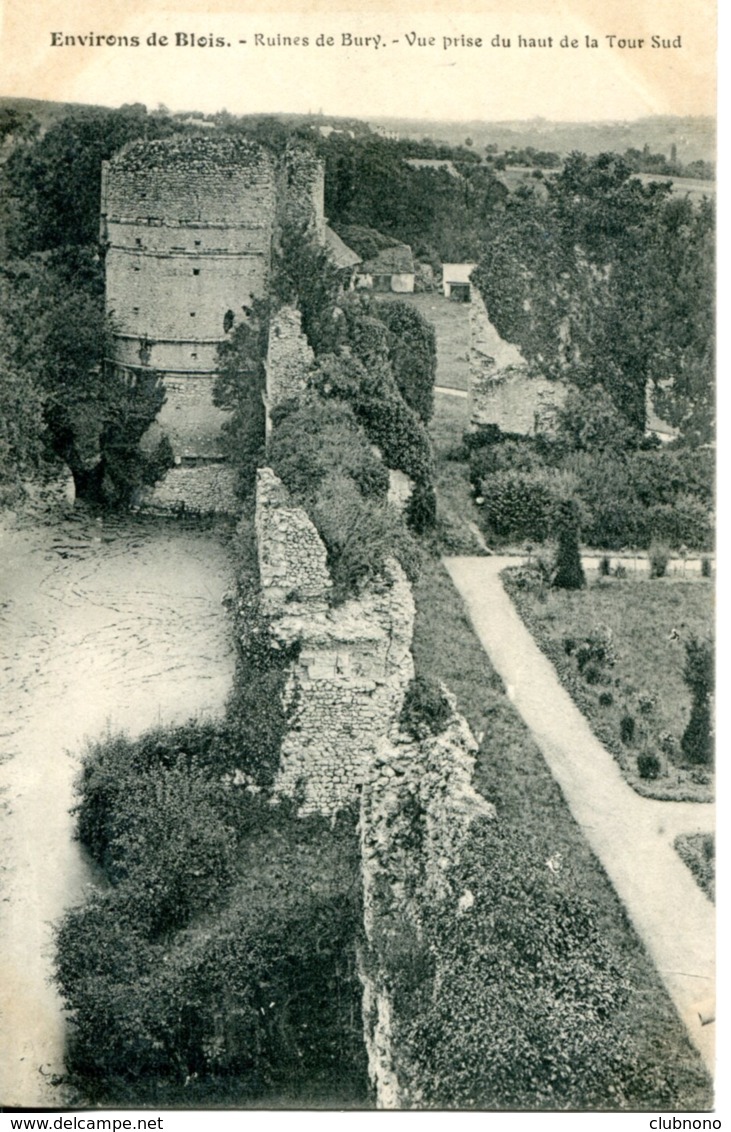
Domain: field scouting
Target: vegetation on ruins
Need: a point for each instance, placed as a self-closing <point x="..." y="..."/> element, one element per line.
<point x="217" y="956"/>
<point x="81" y="408"/>
<point x="239" y="387"/>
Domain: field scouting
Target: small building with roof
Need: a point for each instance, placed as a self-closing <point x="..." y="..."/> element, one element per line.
<point x="392" y="269"/>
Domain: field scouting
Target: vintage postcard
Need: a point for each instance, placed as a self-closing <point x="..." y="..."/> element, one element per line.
<point x="357" y="487"/>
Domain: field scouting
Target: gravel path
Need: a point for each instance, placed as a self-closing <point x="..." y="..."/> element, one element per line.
<point x="632" y="836"/>
<point x="100" y="627"/>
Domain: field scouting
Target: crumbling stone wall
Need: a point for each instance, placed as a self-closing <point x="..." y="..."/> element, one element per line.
<point x="289" y="358"/>
<point x="354" y="661"/>
<point x="501" y="389"/>
<point x="344" y="694"/>
<point x="416" y="809"/>
<point x="198" y="488"/>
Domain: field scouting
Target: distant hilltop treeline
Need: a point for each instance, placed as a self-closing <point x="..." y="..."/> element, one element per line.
<point x="694" y="138"/>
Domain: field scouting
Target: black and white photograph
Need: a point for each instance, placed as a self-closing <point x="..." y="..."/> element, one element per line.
<point x="358" y="560"/>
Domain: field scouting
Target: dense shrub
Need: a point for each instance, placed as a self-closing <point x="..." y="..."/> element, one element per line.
<point x="509" y="455"/>
<point x="426" y="710"/>
<point x="590" y="421"/>
<point x="399" y="434"/>
<point x="625" y="499"/>
<point x="659" y="559"/>
<point x="412" y="349"/>
<point x="597" y="649"/>
<point x="519" y="505"/>
<point x="360" y="536"/>
<point x="421" y="510"/>
<point x="698" y="673"/>
<point x="265" y="988"/>
<point x="627" y="729"/>
<point x="648" y="765"/>
<point x="569" y="573"/>
<point x="312" y="437"/>
<point x="379" y="408"/>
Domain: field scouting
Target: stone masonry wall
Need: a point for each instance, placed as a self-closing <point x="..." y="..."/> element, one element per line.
<point x="501" y="390"/>
<point x="416" y="809"/>
<point x="289" y="358"/>
<point x="354" y="664"/>
<point x="201" y="488"/>
<point x="188" y="225"/>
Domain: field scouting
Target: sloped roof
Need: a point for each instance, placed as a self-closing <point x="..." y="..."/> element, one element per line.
<point x="391" y="261"/>
<point x="339" y="252"/>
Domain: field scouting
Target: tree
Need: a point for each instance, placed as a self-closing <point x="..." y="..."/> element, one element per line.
<point x="55" y="182"/>
<point x="608" y="282"/>
<point x="239" y="387"/>
<point x="89" y="413"/>
<point x="569" y="573"/>
<point x="412" y="348"/>
<point x="697" y="741"/>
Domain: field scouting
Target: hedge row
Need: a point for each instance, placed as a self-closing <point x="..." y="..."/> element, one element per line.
<point x="628" y="500"/>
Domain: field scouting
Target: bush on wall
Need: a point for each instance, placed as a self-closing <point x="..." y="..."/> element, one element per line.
<point x="379" y="408"/>
<point x="360" y="537"/>
<point x="313" y="437"/>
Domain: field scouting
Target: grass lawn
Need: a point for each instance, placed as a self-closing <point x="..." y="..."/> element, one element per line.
<point x="512" y="774"/>
<point x="451" y="321"/>
<point x="649" y="619"/>
<point x="698" y="852"/>
<point x="458" y="518"/>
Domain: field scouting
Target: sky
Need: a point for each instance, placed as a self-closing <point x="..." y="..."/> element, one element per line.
<point x="388" y="76"/>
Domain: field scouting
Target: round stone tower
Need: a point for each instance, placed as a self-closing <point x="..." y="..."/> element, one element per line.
<point x="187" y="223"/>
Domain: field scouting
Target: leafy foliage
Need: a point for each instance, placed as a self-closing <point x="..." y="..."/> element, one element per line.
<point x="569" y="573"/>
<point x="263" y="987"/>
<point x="312" y="438"/>
<point x="54" y="182"/>
<point x="387" y="419"/>
<point x="626" y="498"/>
<point x="531" y="1008"/>
<point x="413" y="355"/>
<point x="360" y="536"/>
<point x="606" y="281"/>
<point x="697" y="741"/>
<point x="426" y="710"/>
<point x="239" y="387"/>
<point x="88" y="412"/>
